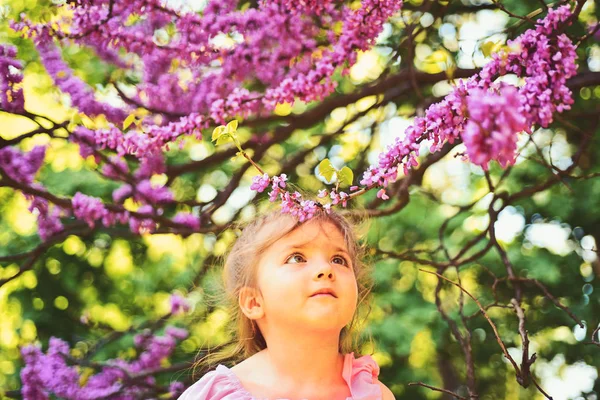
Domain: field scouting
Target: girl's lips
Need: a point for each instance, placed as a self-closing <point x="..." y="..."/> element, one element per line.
<point x="323" y="295"/>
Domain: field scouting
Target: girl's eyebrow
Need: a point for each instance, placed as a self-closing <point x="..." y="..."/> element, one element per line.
<point x="303" y="246"/>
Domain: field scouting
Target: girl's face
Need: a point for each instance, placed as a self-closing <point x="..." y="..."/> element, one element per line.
<point x="292" y="270"/>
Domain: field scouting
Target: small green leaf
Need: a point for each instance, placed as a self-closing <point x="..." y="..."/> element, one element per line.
<point x="345" y="176"/>
<point x="218" y="132"/>
<point x="231" y="126"/>
<point x="326" y="169"/>
<point x="224" y="138"/>
<point x="128" y="121"/>
<point x="490" y="47"/>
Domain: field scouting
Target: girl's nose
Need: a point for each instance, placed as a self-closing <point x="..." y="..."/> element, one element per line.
<point x="322" y="274"/>
<point x="325" y="272"/>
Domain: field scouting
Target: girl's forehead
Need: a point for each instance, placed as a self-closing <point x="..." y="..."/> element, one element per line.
<point x="311" y="232"/>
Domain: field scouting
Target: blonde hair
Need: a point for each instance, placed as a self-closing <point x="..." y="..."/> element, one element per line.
<point x="240" y="271"/>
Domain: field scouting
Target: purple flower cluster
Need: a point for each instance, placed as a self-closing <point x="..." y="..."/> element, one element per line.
<point x="360" y="29"/>
<point x="21" y="167"/>
<point x="48" y="216"/>
<point x="290" y="203"/>
<point x="92" y="210"/>
<point x="82" y="97"/>
<point x="179" y="304"/>
<point x="187" y="219"/>
<point x="486" y="115"/>
<point x="545" y="61"/>
<point x="294" y="204"/>
<point x="142" y="145"/>
<point x="116" y="169"/>
<point x="11" y="77"/>
<point x="494" y="119"/>
<point x="277" y="186"/>
<point x="89" y="209"/>
<point x="51" y="374"/>
<point x="290" y="66"/>
<point x="286" y="61"/>
<point x="145" y="192"/>
<point x="260" y="182"/>
<point x="145" y="223"/>
<point x="317" y="7"/>
<point x="339" y="198"/>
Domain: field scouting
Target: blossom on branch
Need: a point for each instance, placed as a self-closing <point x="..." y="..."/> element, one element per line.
<point x="56" y="374"/>
<point x="11" y="78"/>
<point x="21" y="167"/>
<point x="493" y="124"/>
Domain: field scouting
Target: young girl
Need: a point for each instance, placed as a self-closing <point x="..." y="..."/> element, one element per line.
<point x="296" y="287"/>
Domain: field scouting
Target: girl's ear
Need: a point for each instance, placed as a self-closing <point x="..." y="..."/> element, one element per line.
<point x="251" y="303"/>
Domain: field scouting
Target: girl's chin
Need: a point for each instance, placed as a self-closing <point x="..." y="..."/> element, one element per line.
<point x="326" y="322"/>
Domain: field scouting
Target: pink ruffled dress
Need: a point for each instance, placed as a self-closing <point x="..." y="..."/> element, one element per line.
<point x="222" y="384"/>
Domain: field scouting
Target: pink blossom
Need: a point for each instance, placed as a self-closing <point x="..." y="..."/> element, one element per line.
<point x="21" y="167"/>
<point x="382" y="195"/>
<point x="11" y="76"/>
<point x="494" y="121"/>
<point x="87" y="208"/>
<point x="179" y="304"/>
<point x="187" y="219"/>
<point x="260" y="183"/>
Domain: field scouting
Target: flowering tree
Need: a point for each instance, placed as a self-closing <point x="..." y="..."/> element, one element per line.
<point x="183" y="119"/>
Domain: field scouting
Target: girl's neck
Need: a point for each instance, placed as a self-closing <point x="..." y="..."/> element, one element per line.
<point x="305" y="359"/>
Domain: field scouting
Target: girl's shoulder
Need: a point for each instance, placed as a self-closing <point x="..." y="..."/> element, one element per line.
<point x="222" y="384"/>
<point x="219" y="384"/>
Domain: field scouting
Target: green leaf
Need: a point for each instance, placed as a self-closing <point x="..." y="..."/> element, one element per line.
<point x="128" y="121"/>
<point x="490" y="47"/>
<point x="231" y="127"/>
<point x="224" y="138"/>
<point x="218" y="132"/>
<point x="326" y="169"/>
<point x="345" y="176"/>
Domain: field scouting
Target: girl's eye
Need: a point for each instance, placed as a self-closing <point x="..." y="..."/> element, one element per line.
<point x="340" y="260"/>
<point x="295" y="259"/>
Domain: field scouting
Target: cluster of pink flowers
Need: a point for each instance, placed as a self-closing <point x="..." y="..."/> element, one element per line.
<point x="145" y="192"/>
<point x="89" y="209"/>
<point x="145" y="223"/>
<point x="260" y="182"/>
<point x="134" y="143"/>
<point x="48" y="216"/>
<point x="486" y="115"/>
<point x="545" y="61"/>
<point x="494" y="120"/>
<point x="317" y="7"/>
<point x="179" y="304"/>
<point x="360" y="29"/>
<point x="53" y="374"/>
<point x="281" y="59"/>
<point x="21" y="167"/>
<point x="296" y="206"/>
<point x="11" y="76"/>
<point x="188" y="220"/>
<point x="82" y="96"/>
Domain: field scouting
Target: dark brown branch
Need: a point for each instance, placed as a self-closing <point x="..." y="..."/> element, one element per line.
<point x="437" y="389"/>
